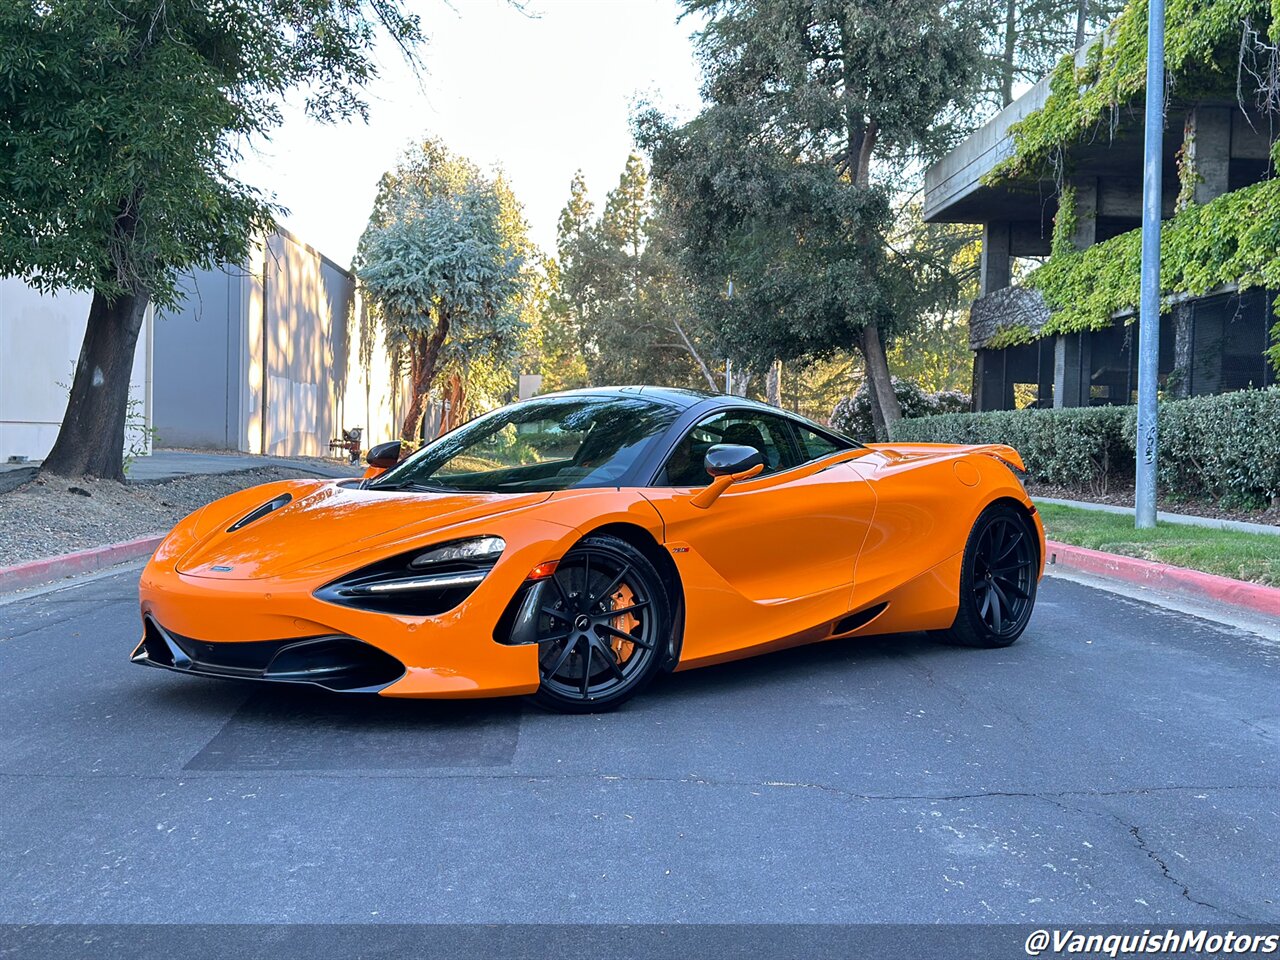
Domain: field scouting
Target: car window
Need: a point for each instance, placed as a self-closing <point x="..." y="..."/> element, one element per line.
<point x="551" y="443"/>
<point x="814" y="445"/>
<point x="766" y="432"/>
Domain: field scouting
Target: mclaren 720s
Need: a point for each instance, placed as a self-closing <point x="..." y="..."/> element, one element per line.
<point x="575" y="545"/>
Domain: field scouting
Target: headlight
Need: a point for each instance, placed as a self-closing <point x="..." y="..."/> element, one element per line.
<point x="418" y="584"/>
<point x="481" y="548"/>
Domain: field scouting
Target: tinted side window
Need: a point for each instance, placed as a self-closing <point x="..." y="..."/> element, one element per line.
<point x="813" y="444"/>
<point x="767" y="433"/>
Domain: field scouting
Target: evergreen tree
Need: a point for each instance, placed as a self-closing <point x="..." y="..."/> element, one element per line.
<point x="784" y="184"/>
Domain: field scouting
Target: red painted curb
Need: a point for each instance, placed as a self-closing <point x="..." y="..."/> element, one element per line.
<point x="1163" y="576"/>
<point x="24" y="575"/>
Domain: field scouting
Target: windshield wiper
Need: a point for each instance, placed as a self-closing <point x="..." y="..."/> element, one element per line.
<point x="412" y="485"/>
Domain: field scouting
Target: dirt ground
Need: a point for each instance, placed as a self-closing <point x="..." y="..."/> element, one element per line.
<point x="45" y="518"/>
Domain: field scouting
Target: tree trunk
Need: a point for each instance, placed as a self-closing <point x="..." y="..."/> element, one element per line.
<point x="1010" y="49"/>
<point x="773" y="385"/>
<point x="697" y="358"/>
<point x="91" y="440"/>
<point x="424" y="358"/>
<point x="879" y="381"/>
<point x="1082" y="21"/>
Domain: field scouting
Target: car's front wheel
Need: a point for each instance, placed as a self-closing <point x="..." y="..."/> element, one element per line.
<point x="603" y="627"/>
<point x="998" y="579"/>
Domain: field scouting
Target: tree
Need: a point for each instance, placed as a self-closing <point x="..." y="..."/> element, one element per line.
<point x="620" y="290"/>
<point x="121" y="122"/>
<point x="443" y="262"/>
<point x="785" y="183"/>
<point x="1025" y="38"/>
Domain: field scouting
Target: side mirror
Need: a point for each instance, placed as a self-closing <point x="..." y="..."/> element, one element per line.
<point x="730" y="458"/>
<point x="382" y="458"/>
<point x="727" y="462"/>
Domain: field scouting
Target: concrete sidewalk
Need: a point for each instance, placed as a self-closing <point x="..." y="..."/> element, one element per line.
<point x="165" y="465"/>
<point x="1216" y="523"/>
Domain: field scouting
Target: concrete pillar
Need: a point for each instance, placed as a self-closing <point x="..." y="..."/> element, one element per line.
<point x="995" y="268"/>
<point x="1086" y="232"/>
<point x="1070" y="371"/>
<point x="1180" y="381"/>
<point x="1206" y="148"/>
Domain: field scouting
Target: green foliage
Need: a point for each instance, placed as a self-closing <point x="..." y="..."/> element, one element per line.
<point x="1065" y="222"/>
<point x="1079" y="447"/>
<point x="782" y="187"/>
<point x="120" y="124"/>
<point x="1224" y="446"/>
<point x="1217" y="446"/>
<point x="852" y="415"/>
<point x="1202" y="44"/>
<point x="1227" y="553"/>
<point x="1014" y="335"/>
<point x="1234" y="238"/>
<point x="621" y="309"/>
<point x="1025" y="38"/>
<point x="444" y="264"/>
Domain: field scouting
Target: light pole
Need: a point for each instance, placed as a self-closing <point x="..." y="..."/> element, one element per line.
<point x="1149" y="305"/>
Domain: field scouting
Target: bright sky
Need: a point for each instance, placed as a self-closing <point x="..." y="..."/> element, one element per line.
<point x="539" y="94"/>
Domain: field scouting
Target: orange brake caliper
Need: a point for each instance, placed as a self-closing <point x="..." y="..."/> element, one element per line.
<point x="627" y="622"/>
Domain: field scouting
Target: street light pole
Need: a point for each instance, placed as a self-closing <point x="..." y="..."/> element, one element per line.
<point x="1149" y="306"/>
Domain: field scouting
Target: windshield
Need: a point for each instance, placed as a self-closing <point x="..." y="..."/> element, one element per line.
<point x="552" y="444"/>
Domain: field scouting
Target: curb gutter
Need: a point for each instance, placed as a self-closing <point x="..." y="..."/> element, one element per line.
<point x="37" y="572"/>
<point x="1163" y="576"/>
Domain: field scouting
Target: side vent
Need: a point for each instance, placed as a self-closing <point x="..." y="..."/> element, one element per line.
<point x="856" y="621"/>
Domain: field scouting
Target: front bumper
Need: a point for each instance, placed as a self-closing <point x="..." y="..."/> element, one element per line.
<point x="242" y="628"/>
<point x="341" y="664"/>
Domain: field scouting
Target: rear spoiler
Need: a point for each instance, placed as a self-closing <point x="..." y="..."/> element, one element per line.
<point x="1002" y="452"/>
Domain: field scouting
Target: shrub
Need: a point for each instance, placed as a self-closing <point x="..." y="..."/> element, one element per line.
<point x="1079" y="447"/>
<point x="1225" y="446"/>
<point x="852" y="415"/>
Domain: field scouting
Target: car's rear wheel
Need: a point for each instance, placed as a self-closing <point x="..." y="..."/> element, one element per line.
<point x="603" y="627"/>
<point x="998" y="579"/>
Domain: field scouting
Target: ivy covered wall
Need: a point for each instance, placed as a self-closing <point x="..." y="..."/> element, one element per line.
<point x="1233" y="239"/>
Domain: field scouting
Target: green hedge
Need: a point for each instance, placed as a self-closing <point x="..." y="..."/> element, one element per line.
<point x="1225" y="447"/>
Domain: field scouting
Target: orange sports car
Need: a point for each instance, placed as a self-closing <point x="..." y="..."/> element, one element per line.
<point x="575" y="545"/>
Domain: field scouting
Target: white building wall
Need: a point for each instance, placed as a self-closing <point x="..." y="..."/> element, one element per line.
<point x="40" y="338"/>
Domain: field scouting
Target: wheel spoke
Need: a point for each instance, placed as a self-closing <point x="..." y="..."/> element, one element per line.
<point x="623" y="635"/>
<point x="613" y="585"/>
<point x="986" y="602"/>
<point x="610" y="661"/>
<point x="555" y="614"/>
<point x="997" y="621"/>
<point x="564" y="657"/>
<point x="631" y="609"/>
<point x="1013" y="588"/>
<point x="1012" y="545"/>
<point x="564" y="596"/>
<point x="586" y="669"/>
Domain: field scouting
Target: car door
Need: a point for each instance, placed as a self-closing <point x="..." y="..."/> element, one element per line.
<point x="774" y="556"/>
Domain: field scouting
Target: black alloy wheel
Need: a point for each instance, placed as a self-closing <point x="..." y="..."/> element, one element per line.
<point x="998" y="579"/>
<point x="603" y="627"/>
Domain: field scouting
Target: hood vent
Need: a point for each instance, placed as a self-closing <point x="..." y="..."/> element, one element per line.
<point x="261" y="512"/>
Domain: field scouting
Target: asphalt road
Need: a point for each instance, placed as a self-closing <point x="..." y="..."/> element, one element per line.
<point x="1121" y="763"/>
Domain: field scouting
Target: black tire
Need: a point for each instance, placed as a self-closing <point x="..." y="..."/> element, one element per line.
<point x="593" y="654"/>
<point x="998" y="579"/>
